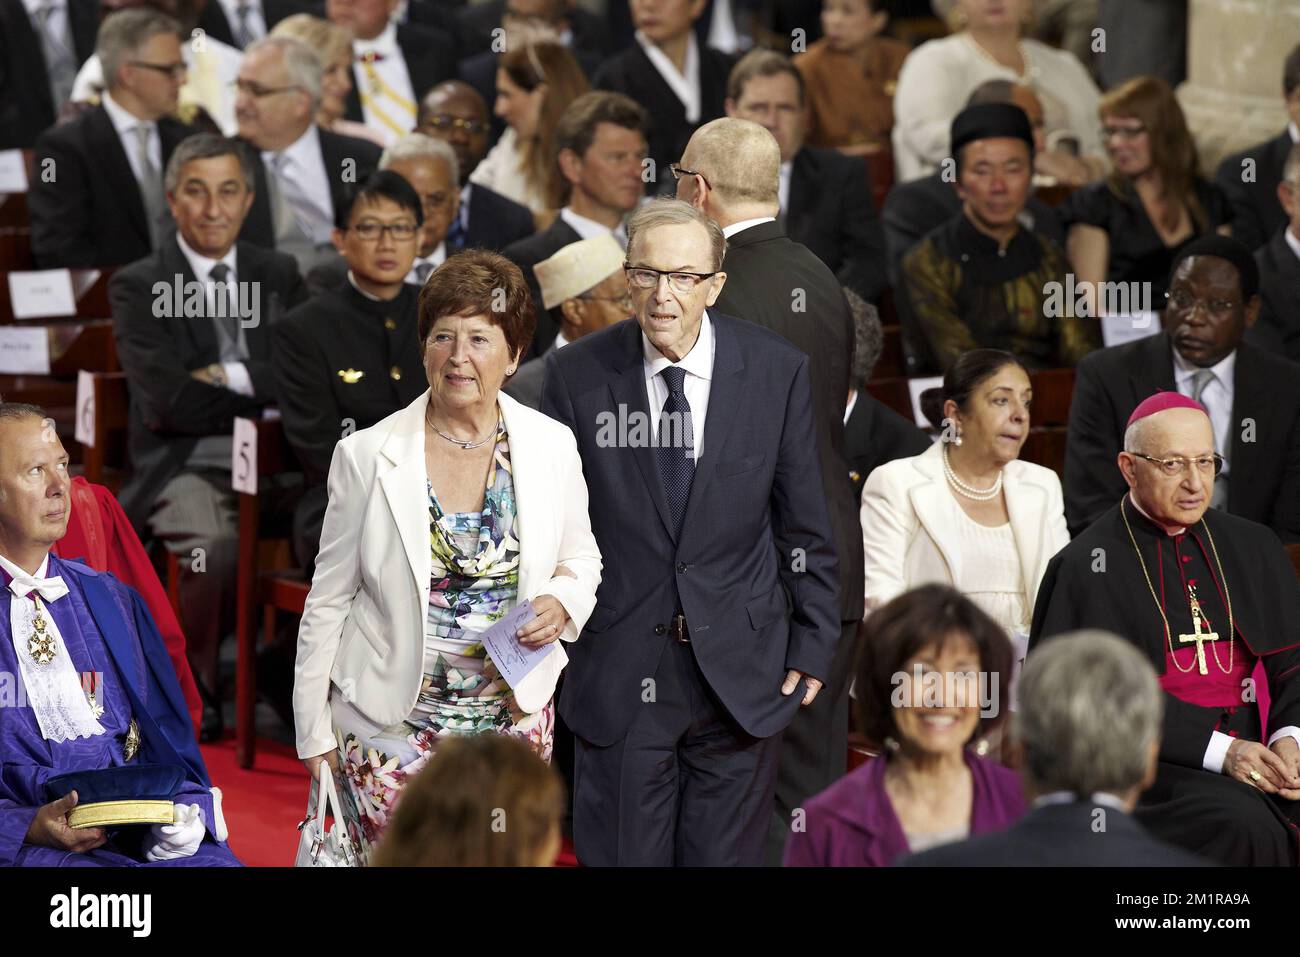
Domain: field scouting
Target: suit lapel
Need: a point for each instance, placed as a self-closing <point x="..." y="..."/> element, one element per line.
<point x="803" y="178"/>
<point x="631" y="403"/>
<point x="529" y="512"/>
<point x="726" y="395"/>
<point x="353" y="111"/>
<point x="1026" y="506"/>
<point x="935" y="508"/>
<point x="404" y="485"/>
<point x="249" y="269"/>
<point x="1249" y="399"/>
<point x="105" y="143"/>
<point x="1154" y="371"/>
<point x="199" y="328"/>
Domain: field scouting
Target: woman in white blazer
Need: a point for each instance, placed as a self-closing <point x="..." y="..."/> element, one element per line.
<point x="442" y="518"/>
<point x="966" y="512"/>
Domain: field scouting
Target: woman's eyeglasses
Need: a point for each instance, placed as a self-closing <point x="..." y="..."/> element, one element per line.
<point x="643" y="277"/>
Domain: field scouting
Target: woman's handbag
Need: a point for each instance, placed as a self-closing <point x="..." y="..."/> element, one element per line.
<point x="318" y="847"/>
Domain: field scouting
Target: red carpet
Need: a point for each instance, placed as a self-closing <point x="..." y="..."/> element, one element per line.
<point x="262" y="805"/>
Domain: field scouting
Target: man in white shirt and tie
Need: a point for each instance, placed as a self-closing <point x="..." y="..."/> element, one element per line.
<point x="101" y="201"/>
<point x="430" y="167"/>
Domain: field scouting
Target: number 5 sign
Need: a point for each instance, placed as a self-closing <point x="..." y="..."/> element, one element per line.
<point x="243" y="457"/>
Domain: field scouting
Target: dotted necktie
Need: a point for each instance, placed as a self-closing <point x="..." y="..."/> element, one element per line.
<point x="676" y="446"/>
<point x="243" y="27"/>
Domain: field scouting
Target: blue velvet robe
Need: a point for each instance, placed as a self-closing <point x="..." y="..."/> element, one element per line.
<point x="106" y="628"/>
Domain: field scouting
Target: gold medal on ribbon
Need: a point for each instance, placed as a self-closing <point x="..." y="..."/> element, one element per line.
<point x="40" y="645"/>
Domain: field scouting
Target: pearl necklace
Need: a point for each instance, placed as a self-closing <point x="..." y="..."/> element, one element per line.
<point x="978" y="494"/>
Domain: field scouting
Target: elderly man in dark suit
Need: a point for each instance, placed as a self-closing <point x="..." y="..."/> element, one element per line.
<point x="97" y="199"/>
<point x="679" y="80"/>
<point x="1089" y="722"/>
<point x="1278" y="328"/>
<point x="454" y="112"/>
<point x="825" y="196"/>
<point x="1250" y="178"/>
<point x="41" y="48"/>
<point x="781" y="285"/>
<point x="1253" y="396"/>
<point x="304" y="171"/>
<point x="193" y="326"/>
<point x="719" y="614"/>
<point x="600" y="145"/>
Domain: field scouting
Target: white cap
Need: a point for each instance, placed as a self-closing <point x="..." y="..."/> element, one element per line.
<point x="578" y="267"/>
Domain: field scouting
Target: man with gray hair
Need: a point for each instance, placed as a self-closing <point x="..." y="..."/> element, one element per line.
<point x="1088" y="731"/>
<point x="1278" y="326"/>
<point x="729" y="172"/>
<point x="697" y="439"/>
<point x="98" y="199"/>
<point x="193" y="326"/>
<point x="305" y="170"/>
<point x="429" y="165"/>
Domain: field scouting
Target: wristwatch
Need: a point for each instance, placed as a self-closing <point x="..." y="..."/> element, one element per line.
<point x="218" y="374"/>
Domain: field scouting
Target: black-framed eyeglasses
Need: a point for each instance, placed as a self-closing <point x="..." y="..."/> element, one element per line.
<point x="679" y="171"/>
<point x="624" y="301"/>
<point x="1205" y="464"/>
<point x="1184" y="301"/>
<point x="445" y="124"/>
<point x="257" y="91"/>
<point x="171" y="70"/>
<point x="643" y="277"/>
<point x="369" y="231"/>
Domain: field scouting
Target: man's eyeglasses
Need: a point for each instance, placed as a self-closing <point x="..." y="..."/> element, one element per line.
<point x="623" y="302"/>
<point x="257" y="91"/>
<point x="369" y="230"/>
<point x="1205" y="464"/>
<point x="172" y="70"/>
<point x="1123" y="132"/>
<point x="1184" y="301"/>
<point x="445" y="124"/>
<point x="643" y="277"/>
<point x="678" y="172"/>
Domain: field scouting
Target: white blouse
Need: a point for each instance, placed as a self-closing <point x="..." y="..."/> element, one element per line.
<point x="939" y="76"/>
<point x="991" y="574"/>
<point x="502" y="172"/>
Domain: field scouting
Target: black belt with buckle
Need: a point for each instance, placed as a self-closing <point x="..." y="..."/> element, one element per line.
<point x="677" y="628"/>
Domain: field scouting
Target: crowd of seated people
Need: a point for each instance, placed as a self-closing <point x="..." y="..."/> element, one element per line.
<point x="339" y="181"/>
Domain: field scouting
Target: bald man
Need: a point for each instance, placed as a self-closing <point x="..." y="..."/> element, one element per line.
<point x="782" y="285"/>
<point x="454" y="112"/>
<point x="1206" y="596"/>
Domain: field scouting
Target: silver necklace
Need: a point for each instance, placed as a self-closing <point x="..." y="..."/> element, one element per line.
<point x="979" y="494"/>
<point x="455" y="441"/>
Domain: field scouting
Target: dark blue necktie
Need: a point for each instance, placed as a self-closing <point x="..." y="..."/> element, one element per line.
<point x="455" y="238"/>
<point x="676" y="441"/>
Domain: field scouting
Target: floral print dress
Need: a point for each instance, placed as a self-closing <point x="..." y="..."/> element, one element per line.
<point x="475" y="582"/>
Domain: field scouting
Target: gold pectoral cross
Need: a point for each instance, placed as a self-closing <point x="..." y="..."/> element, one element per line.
<point x="1199" y="636"/>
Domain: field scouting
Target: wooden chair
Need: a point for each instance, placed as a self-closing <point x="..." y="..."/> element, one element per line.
<point x="893" y="392"/>
<point x="265" y="581"/>
<point x="861" y="750"/>
<point x="890" y="363"/>
<point x="1053" y="389"/>
<point x="107" y="429"/>
<point x="90" y="287"/>
<point x="1293" y="552"/>
<point x="880" y="175"/>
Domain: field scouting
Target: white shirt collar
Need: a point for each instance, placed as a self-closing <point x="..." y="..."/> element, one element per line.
<point x="783" y="184"/>
<point x="685" y="83"/>
<point x="385" y="44"/>
<point x="353" y="280"/>
<point x="1294" y="131"/>
<point x="201" y="264"/>
<point x="34" y="5"/>
<point x="302" y="151"/>
<point x="560" y="340"/>
<point x="729" y="231"/>
<point x="1184" y="370"/>
<point x="1292" y="241"/>
<point x="698" y="362"/>
<point x="849" y="406"/>
<point x="124" y="121"/>
<point x="1069" y="797"/>
<point x="584" y="226"/>
<point x="16" y="572"/>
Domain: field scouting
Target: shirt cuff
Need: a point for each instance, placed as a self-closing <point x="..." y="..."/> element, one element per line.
<point x="237" y="378"/>
<point x="1217" y="752"/>
<point x="1290" y="731"/>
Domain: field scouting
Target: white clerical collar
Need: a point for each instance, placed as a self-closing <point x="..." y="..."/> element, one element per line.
<point x="698" y="362"/>
<point x="1292" y="241"/>
<point x="1069" y="797"/>
<point x="729" y="231"/>
<point x="304" y="151"/>
<point x="201" y="265"/>
<point x="384" y="45"/>
<point x="1223" y="369"/>
<point x="685" y="83"/>
<point x="1171" y="532"/>
<point x="16" y="572"/>
<point x="123" y="120"/>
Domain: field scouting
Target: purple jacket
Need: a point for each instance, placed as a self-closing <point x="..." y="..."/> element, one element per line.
<point x="852" y="823"/>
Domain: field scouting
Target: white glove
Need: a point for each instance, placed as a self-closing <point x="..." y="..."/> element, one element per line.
<point x="181" y="838"/>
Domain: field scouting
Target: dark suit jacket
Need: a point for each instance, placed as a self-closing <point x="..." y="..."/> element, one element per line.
<point x="1256" y="212"/>
<point x="480" y="72"/>
<point x="1278" y="327"/>
<point x="214" y="22"/>
<point x="876" y="434"/>
<point x="495" y="221"/>
<point x="1061" y="835"/>
<point x="527" y="253"/>
<point x="756" y="500"/>
<point x="26" y="107"/>
<point x="1264" y="471"/>
<point x="430" y="56"/>
<point x="526" y="384"/>
<point x="830" y="211"/>
<point x="478" y="20"/>
<point x="90" y="213"/>
<point x="335" y="149"/>
<point x="768" y="278"/>
<point x="169" y="410"/>
<point x="631" y="72"/>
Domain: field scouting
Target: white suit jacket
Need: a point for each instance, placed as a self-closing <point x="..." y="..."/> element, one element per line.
<point x="910" y="523"/>
<point x="362" y="631"/>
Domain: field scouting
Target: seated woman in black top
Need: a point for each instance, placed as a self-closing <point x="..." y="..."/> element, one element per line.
<point x="1128" y="228"/>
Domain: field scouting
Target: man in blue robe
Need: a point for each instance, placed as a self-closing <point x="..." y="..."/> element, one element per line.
<point x="85" y="683"/>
